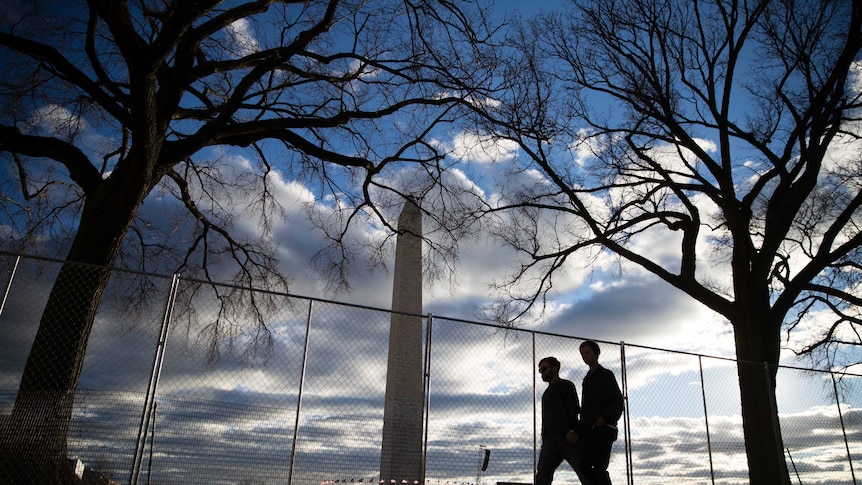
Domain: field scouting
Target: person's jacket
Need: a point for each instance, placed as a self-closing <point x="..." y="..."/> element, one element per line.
<point x="601" y="396"/>
<point x="560" y="408"/>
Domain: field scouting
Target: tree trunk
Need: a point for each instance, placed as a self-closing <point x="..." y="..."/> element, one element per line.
<point x="757" y="359"/>
<point x="34" y="437"/>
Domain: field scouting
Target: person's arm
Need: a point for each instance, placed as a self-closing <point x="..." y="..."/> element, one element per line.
<point x="573" y="409"/>
<point x="612" y="400"/>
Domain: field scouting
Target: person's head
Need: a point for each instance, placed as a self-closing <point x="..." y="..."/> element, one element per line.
<point x="549" y="368"/>
<point x="590" y="352"/>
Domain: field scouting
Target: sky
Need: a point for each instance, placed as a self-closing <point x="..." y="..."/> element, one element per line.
<point x="489" y="372"/>
<point x="603" y="304"/>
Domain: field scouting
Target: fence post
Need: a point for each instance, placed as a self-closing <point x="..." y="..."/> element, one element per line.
<point x="427" y="378"/>
<point x="9" y="283"/>
<point x="533" y="373"/>
<point x="706" y="419"/>
<point x="843" y="429"/>
<point x="150" y="398"/>
<point x="627" y="434"/>
<point x="299" y="392"/>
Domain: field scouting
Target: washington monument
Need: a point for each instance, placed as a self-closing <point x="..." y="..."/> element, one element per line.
<point x="401" y="453"/>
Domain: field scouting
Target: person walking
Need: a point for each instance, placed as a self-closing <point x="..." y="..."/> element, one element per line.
<point x="560" y="408"/>
<point x="602" y="408"/>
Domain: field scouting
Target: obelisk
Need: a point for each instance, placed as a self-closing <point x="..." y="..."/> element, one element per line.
<point x="401" y="451"/>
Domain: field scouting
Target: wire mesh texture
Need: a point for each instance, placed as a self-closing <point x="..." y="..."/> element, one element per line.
<point x="178" y="388"/>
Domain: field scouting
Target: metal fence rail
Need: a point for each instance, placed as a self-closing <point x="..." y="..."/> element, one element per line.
<point x="170" y="393"/>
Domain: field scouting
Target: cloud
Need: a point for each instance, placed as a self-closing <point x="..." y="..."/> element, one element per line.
<point x="642" y="310"/>
<point x="483" y="148"/>
<point x="243" y="37"/>
<point x="55" y="120"/>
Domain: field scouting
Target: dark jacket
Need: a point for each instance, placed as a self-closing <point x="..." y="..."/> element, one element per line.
<point x="560" y="408"/>
<point x="601" y="397"/>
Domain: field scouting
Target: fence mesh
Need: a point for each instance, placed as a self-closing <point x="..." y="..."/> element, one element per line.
<point x="189" y="383"/>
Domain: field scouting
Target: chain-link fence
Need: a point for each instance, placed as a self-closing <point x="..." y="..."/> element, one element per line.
<point x="180" y="387"/>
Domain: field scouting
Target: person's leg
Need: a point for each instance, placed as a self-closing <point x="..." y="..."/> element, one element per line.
<point x="586" y="474"/>
<point x="573" y="456"/>
<point x="550" y="457"/>
<point x="602" y="444"/>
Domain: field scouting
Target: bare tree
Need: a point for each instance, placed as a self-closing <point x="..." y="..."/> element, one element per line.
<point x="109" y="103"/>
<point x="727" y="128"/>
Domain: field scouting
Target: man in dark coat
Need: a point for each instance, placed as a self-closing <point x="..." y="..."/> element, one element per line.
<point x="602" y="408"/>
<point x="560" y="410"/>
